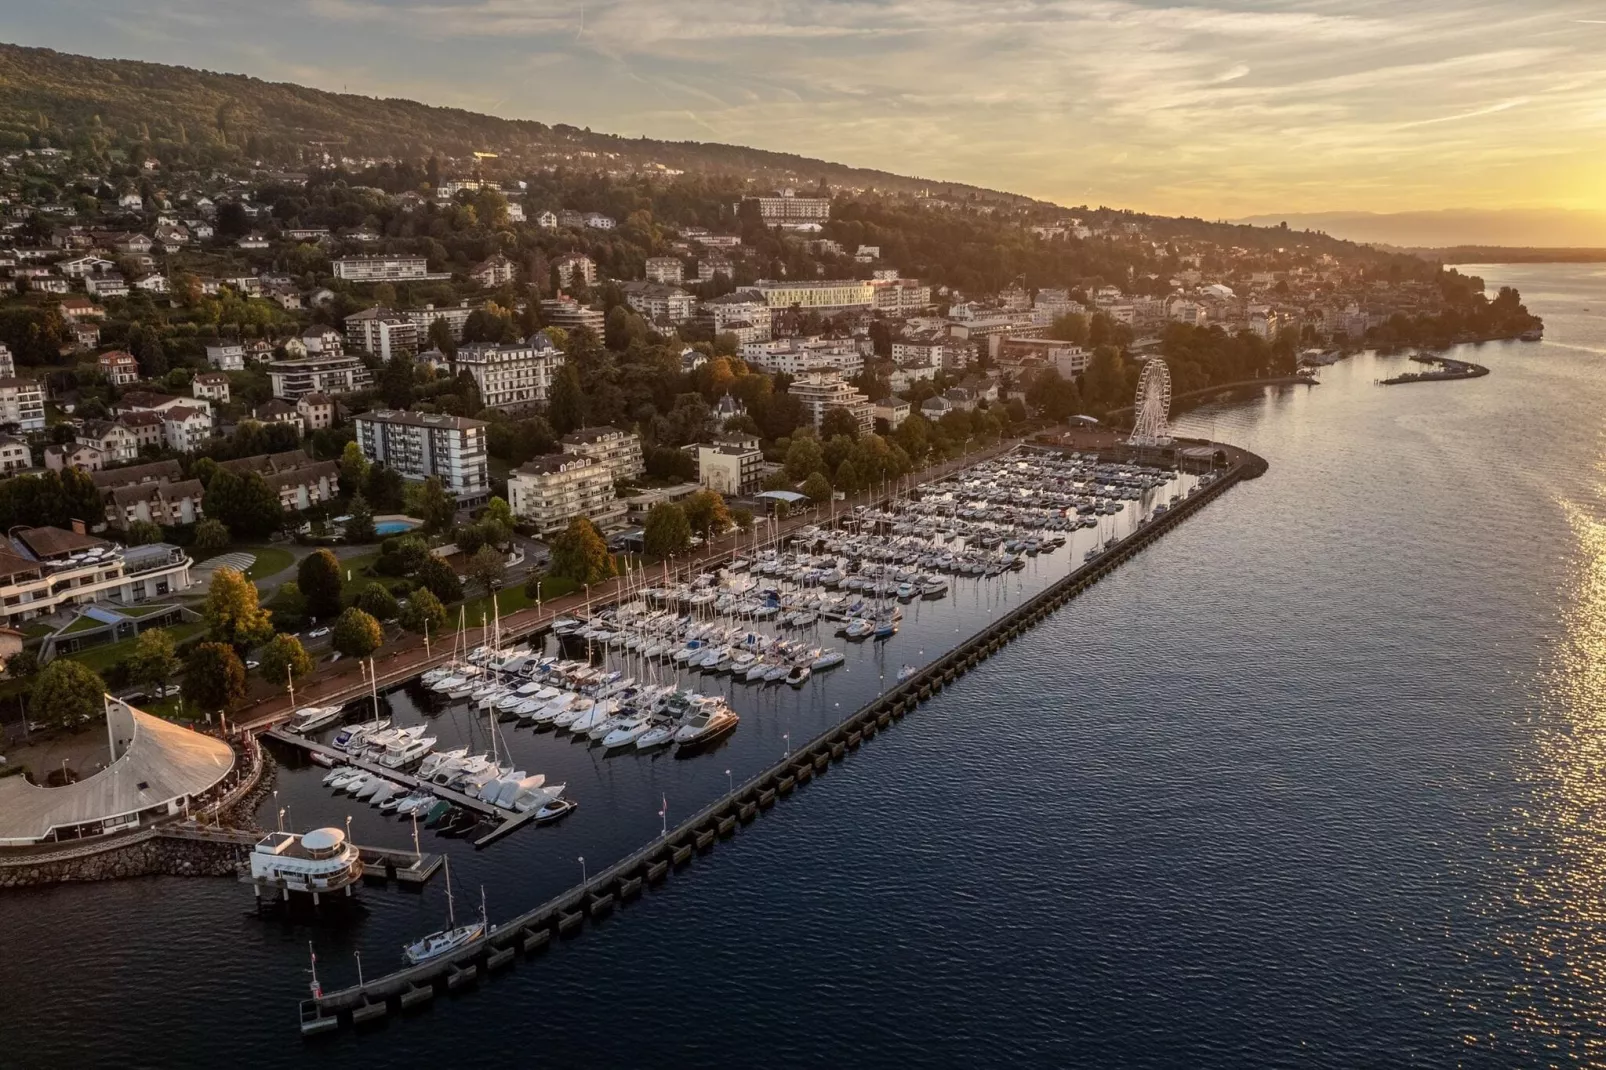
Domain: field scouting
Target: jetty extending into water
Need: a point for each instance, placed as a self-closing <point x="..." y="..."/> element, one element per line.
<point x="1447" y="369"/>
<point x="601" y="894"/>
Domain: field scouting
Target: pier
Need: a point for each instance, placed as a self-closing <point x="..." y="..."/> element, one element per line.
<point x="1448" y="369"/>
<point x="600" y="895"/>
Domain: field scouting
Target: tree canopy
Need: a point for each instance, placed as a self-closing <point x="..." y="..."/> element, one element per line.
<point x="232" y="613"/>
<point x="66" y="693"/>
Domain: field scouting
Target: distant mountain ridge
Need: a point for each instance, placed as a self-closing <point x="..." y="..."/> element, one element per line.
<point x="1454" y="227"/>
<point x="43" y="90"/>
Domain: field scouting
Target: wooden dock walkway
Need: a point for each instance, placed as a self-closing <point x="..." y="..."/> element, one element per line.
<point x="565" y="914"/>
<point x="396" y="776"/>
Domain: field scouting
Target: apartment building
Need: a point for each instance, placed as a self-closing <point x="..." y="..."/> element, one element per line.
<point x="317" y="411"/>
<point x="8" y="363"/>
<point x="617" y="451"/>
<point x="742" y="312"/>
<point x="817" y="294"/>
<point x="496" y="270"/>
<point x="822" y="390"/>
<point x="22" y="404"/>
<point x="114" y="441"/>
<point x="318" y="375"/>
<point x="900" y="296"/>
<point x="419" y="445"/>
<point x="894" y="410"/>
<point x="731" y="466"/>
<point x="381" y="331"/>
<point x="119" y="367"/>
<point x="666" y="269"/>
<point x="570" y="265"/>
<point x="454" y="315"/>
<point x="512" y="377"/>
<point x="566" y="312"/>
<point x="385" y="269"/>
<point x="188" y="428"/>
<point x="794" y="356"/>
<point x="551" y="490"/>
<point x="148" y="428"/>
<point x="786" y="206"/>
<point x="43" y="570"/>
<point x="158" y="502"/>
<point x="660" y="303"/>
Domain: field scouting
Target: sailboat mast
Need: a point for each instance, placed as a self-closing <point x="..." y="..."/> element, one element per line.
<point x="451" y="913"/>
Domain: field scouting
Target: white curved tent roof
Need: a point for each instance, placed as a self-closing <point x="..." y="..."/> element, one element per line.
<point x="158" y="763"/>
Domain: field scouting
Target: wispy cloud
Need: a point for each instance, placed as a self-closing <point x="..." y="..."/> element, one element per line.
<point x="1204" y="106"/>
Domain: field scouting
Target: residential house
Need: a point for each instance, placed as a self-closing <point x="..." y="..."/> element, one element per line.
<point x="154" y="282"/>
<point x="80" y="267"/>
<point x="322" y="341"/>
<point x="894" y="410"/>
<point x="213" y="386"/>
<point x="660" y="303"/>
<point x="84" y="457"/>
<point x="8" y="363"/>
<point x="495" y="271"/>
<point x="226" y="356"/>
<point x="85" y="335"/>
<point x="317" y="411"/>
<point x="116" y="442"/>
<point x="188" y="427"/>
<point x="570" y="265"/>
<point x="55" y="284"/>
<point x="15" y="456"/>
<point x="169" y="504"/>
<point x="547" y="220"/>
<point x="119" y="367"/>
<point x="149" y="428"/>
<point x="108" y="285"/>
<point x="278" y="411"/>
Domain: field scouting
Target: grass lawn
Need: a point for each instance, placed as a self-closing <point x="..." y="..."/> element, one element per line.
<point x="270" y="561"/>
<point x="142" y="611"/>
<point x="35" y="630"/>
<point x="509" y="600"/>
<point x="101" y="658"/>
<point x="83" y="624"/>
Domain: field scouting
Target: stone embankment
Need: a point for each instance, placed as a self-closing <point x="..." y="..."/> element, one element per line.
<point x="148" y="853"/>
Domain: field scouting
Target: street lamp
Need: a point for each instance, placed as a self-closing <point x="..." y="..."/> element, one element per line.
<point x="583" y="869"/>
<point x="730" y="785"/>
<point x="788" y="738"/>
<point x="359" y="967"/>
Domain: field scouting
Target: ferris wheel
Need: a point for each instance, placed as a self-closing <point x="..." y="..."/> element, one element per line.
<point x="1151" y="410"/>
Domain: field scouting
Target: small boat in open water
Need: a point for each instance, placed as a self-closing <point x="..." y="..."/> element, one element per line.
<point x="451" y="938"/>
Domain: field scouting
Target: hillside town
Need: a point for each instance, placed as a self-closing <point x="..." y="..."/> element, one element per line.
<point x="278" y="351"/>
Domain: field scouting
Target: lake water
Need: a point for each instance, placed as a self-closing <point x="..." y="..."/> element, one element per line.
<point x="1314" y="780"/>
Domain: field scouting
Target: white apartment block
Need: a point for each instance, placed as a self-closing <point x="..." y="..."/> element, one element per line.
<point x="419" y="445"/>
<point x="515" y="376"/>
<point x="318" y="375"/>
<point x="666" y="269"/>
<point x="821" y="391"/>
<point x="731" y="466"/>
<point x="226" y="356"/>
<point x="15" y="455"/>
<point x="794" y="356"/>
<point x="1022" y="355"/>
<point x="660" y="303"/>
<point x="187" y="428"/>
<point x="551" y="490"/>
<point x="22" y="403"/>
<point x="8" y="363"/>
<point x="454" y="315"/>
<point x="210" y="386"/>
<point x="385" y="269"/>
<point x="737" y="308"/>
<point x="576" y="263"/>
<point x="816" y="293"/>
<point x="787" y="207"/>
<point x="901" y="295"/>
<point x="617" y="451"/>
<point x="120" y="367"/>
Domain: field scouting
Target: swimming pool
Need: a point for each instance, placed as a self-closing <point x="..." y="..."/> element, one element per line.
<point x="394" y="527"/>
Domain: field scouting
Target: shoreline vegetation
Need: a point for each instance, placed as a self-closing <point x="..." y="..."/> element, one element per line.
<point x="1509" y="254"/>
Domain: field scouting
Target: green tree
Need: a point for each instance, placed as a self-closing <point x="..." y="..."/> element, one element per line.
<point x="67" y="693"/>
<point x="438" y="577"/>
<point x="838" y="422"/>
<point x="357" y="634"/>
<point x="487" y="568"/>
<point x="667" y="531"/>
<point x="143" y="533"/>
<point x="214" y="677"/>
<point x="567" y="408"/>
<point x="743" y="519"/>
<point x="284" y="658"/>
<point x="440" y="336"/>
<point x="847" y="478"/>
<point x="802" y="457"/>
<point x="377" y="601"/>
<point x="430" y="503"/>
<point x="360" y="528"/>
<point x="423" y="612"/>
<point x="354" y="469"/>
<point x="211" y="536"/>
<point x="707" y="513"/>
<point x="155" y="658"/>
<point x="580" y="553"/>
<point x="499" y="510"/>
<point x="231" y="611"/>
<point x="244" y="503"/>
<point x="817" y="487"/>
<point x="322" y="587"/>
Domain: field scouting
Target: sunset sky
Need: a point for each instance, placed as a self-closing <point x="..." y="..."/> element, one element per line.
<point x="1215" y="109"/>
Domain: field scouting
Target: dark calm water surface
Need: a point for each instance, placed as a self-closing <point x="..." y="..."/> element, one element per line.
<point x="1315" y="780"/>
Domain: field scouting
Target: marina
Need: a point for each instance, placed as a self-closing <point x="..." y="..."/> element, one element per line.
<point x="599" y="894"/>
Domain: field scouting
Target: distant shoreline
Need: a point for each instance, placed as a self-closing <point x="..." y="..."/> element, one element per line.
<point x="1497" y="254"/>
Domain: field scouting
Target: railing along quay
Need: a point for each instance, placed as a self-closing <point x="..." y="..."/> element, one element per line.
<point x="564" y="915"/>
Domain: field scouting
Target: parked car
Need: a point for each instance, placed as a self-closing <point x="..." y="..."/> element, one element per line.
<point x="252" y="663"/>
<point x="317" y="633"/>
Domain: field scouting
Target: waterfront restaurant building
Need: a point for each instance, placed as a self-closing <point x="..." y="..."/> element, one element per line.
<point x="156" y="769"/>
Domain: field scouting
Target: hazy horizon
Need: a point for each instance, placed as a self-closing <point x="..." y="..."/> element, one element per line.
<point x="1218" y="110"/>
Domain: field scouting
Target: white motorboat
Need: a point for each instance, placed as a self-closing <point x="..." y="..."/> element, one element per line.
<point x="659" y="731"/>
<point x="451" y="938"/>
<point x="553" y="810"/>
<point x="335" y="774"/>
<point x="312" y="718"/>
<point x="406" y="753"/>
<point x="705" y="725"/>
<point x="830" y="659"/>
<point x="539" y="797"/>
<point x="627" y="730"/>
<point x="799" y="674"/>
<point x="434" y="762"/>
<point x="370" y="787"/>
<point x="383" y="793"/>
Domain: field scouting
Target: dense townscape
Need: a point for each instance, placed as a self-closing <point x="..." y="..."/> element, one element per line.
<point x="213" y="338"/>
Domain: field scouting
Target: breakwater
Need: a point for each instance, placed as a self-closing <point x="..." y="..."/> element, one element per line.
<point x="149" y="852"/>
<point x="600" y="895"/>
<point x="1448" y="369"/>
